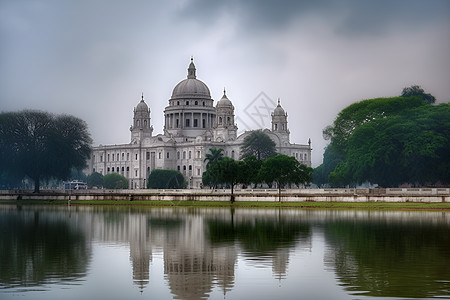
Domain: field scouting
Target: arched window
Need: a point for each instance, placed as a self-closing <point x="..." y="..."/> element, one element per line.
<point x="220" y="120"/>
<point x="184" y="154"/>
<point x="228" y="120"/>
<point x="145" y="123"/>
<point x="178" y="168"/>
<point x="196" y="103"/>
<point x="190" y="154"/>
<point x="138" y="123"/>
<point x="178" y="155"/>
<point x="203" y="103"/>
<point x="178" y="102"/>
<point x="187" y="102"/>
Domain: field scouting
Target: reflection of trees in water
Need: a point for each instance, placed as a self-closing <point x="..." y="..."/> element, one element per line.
<point x="264" y="239"/>
<point x="391" y="259"/>
<point x="39" y="247"/>
<point x="259" y="236"/>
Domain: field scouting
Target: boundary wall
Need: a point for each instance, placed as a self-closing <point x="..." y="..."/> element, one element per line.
<point x="427" y="195"/>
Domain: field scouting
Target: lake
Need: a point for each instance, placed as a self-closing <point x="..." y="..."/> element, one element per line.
<point x="131" y="252"/>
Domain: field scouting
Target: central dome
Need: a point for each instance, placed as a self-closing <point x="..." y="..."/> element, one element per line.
<point x="191" y="87"/>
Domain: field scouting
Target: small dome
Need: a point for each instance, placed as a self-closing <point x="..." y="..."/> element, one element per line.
<point x="224" y="102"/>
<point x="191" y="87"/>
<point x="279" y="111"/>
<point x="142" y="106"/>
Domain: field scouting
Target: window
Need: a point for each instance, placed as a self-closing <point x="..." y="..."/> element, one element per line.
<point x="220" y="120"/>
<point x="190" y="154"/>
<point x="145" y="123"/>
<point x="108" y="169"/>
<point x="147" y="155"/>
<point x="187" y="102"/>
<point x="178" y="121"/>
<point x="199" y="154"/>
<point x="228" y="120"/>
<point x="178" y="102"/>
<point x="167" y="155"/>
<point x="188" y="123"/>
<point x="198" y="171"/>
<point x="123" y="156"/>
<point x="136" y="156"/>
<point x="203" y="103"/>
<point x="138" y="123"/>
<point x="282" y="126"/>
<point x="117" y="156"/>
<point x="136" y="172"/>
<point x="232" y="154"/>
<point x="178" y="168"/>
<point x="108" y="157"/>
<point x="195" y="122"/>
<point x="159" y="155"/>
<point x="178" y="155"/>
<point x="184" y="154"/>
<point x="112" y="169"/>
<point x="276" y="126"/>
<point x="204" y="123"/>
<point x="112" y="157"/>
<point x="196" y="102"/>
<point x="101" y="158"/>
<point x="128" y="156"/>
<point x="128" y="169"/>
<point x="93" y="170"/>
<point x="123" y="169"/>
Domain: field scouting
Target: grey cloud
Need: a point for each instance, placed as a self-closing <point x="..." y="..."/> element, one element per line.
<point x="350" y="17"/>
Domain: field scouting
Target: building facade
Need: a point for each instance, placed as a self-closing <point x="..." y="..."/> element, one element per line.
<point x="192" y="125"/>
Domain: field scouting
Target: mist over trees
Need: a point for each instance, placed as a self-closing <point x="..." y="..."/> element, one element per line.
<point x="388" y="141"/>
<point x="42" y="146"/>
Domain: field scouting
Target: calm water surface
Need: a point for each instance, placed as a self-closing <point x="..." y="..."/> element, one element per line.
<point x="84" y="252"/>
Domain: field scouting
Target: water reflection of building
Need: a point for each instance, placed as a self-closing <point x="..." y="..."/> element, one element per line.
<point x="192" y="266"/>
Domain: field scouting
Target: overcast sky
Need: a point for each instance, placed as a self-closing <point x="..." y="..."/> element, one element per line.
<point x="94" y="58"/>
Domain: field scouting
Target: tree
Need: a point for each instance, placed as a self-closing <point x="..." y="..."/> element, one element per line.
<point x="227" y="171"/>
<point x="95" y="179"/>
<point x="412" y="147"/>
<point x="166" y="179"/>
<point x="352" y="117"/>
<point x="416" y="90"/>
<point x="258" y="144"/>
<point x="42" y="146"/>
<point x="115" y="181"/>
<point x="214" y="156"/>
<point x="283" y="170"/>
<point x="208" y="178"/>
<point x="250" y="170"/>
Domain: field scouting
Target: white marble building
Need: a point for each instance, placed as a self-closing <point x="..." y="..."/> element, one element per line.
<point x="192" y="126"/>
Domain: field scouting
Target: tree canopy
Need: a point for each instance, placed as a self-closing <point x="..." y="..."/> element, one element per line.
<point x="416" y="90"/>
<point x="41" y="145"/>
<point x="284" y="170"/>
<point x="166" y="179"/>
<point x="258" y="144"/>
<point x="388" y="141"/>
<point x="115" y="181"/>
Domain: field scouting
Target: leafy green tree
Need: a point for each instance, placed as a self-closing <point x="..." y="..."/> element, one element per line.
<point x="250" y="170"/>
<point x="208" y="178"/>
<point x="95" y="179"/>
<point x="42" y="146"/>
<point x="166" y="179"/>
<point x="283" y="170"/>
<point x="412" y="147"/>
<point x="258" y="144"/>
<point x="227" y="171"/>
<point x="416" y="90"/>
<point x="115" y="181"/>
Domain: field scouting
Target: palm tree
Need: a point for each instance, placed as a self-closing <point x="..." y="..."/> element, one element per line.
<point x="214" y="156"/>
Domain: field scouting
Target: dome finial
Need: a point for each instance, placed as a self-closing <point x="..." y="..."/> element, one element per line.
<point x="279" y="101"/>
<point x="191" y="70"/>
<point x="142" y="97"/>
<point x="224" y="91"/>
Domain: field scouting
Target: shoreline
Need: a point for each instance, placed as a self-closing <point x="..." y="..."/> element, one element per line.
<point x="247" y="204"/>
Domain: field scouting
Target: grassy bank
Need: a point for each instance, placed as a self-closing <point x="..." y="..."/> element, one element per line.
<point x="357" y="205"/>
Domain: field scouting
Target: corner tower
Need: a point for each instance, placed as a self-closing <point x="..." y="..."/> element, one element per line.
<point x="224" y="127"/>
<point x="279" y="122"/>
<point x="141" y="127"/>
